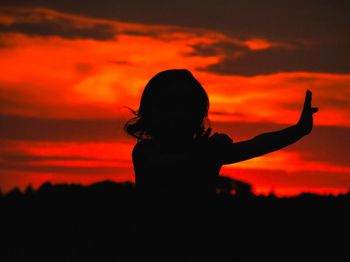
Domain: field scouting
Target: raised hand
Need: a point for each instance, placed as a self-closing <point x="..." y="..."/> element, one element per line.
<point x="220" y="140"/>
<point x="306" y="120"/>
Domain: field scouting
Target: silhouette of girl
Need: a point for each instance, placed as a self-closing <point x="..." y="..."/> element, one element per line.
<point x="175" y="154"/>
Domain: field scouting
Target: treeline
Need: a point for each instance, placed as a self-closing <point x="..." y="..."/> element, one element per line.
<point x="110" y="221"/>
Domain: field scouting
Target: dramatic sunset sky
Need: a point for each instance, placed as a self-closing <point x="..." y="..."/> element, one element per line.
<point x="68" y="68"/>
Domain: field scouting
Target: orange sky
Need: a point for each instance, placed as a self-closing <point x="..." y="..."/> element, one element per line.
<point x="63" y="88"/>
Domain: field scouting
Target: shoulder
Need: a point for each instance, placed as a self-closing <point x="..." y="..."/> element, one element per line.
<point x="220" y="146"/>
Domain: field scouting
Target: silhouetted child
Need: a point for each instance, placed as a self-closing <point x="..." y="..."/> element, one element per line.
<point x="177" y="162"/>
<point x="175" y="155"/>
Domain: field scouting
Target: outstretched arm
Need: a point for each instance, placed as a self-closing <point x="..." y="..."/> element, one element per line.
<point x="272" y="141"/>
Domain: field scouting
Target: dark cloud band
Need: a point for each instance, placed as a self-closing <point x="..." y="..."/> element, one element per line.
<point x="37" y="22"/>
<point x="237" y="59"/>
<point x="46" y="129"/>
<point x="62" y="29"/>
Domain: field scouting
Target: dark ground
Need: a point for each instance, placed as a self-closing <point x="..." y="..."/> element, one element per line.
<point x="112" y="222"/>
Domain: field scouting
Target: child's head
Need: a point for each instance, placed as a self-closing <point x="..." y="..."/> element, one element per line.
<point x="173" y="105"/>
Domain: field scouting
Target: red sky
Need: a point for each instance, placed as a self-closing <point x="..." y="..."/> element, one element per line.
<point x="66" y="75"/>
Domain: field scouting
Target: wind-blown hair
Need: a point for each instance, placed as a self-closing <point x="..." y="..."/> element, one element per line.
<point x="175" y="88"/>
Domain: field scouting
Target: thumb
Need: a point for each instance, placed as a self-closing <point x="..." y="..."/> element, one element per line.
<point x="314" y="110"/>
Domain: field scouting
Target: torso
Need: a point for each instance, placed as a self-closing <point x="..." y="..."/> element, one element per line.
<point x="187" y="169"/>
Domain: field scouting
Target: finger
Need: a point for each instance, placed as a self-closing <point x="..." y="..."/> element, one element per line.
<point x="308" y="97"/>
<point x="207" y="133"/>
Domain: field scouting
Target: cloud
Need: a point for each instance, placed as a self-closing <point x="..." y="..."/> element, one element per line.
<point x="303" y="58"/>
<point x="38" y="21"/>
<point x="43" y="22"/>
<point x="61" y="28"/>
<point x="222" y="48"/>
<point x="71" y="170"/>
<point x="46" y="129"/>
<point x="329" y="144"/>
<point x="247" y="54"/>
<point x="8" y="158"/>
<point x="288" y="20"/>
<point x="226" y="114"/>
